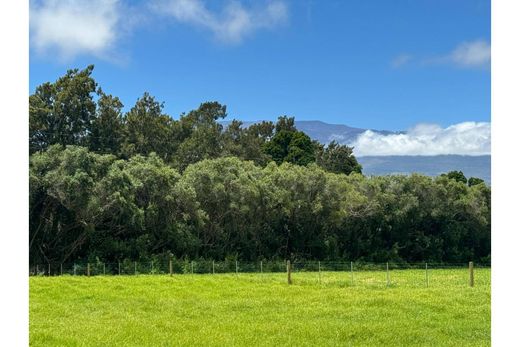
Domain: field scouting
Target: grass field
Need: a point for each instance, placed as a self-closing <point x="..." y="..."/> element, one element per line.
<point x="262" y="310"/>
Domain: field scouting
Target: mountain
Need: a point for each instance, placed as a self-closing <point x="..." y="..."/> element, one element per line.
<point x="325" y="132"/>
<point x="472" y="166"/>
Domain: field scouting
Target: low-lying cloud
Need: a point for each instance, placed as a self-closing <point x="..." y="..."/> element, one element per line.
<point x="467" y="138"/>
<point x="231" y="24"/>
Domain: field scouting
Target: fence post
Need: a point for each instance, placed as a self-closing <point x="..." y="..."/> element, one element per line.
<point x="171" y="267"/>
<point x="213" y="266"/>
<point x="74" y="269"/>
<point x="387" y="276"/>
<point x="289" y="280"/>
<point x="236" y="267"/>
<point x="88" y="269"/>
<point x="104" y="270"/>
<point x="471" y="275"/>
<point x="119" y="268"/>
<point x="49" y="272"/>
<point x="151" y="267"/>
<point x="427" y="280"/>
<point x="135" y="268"/>
<point x="192" y="267"/>
<point x="61" y="269"/>
<point x="352" y="272"/>
<point x="261" y="267"/>
<point x="319" y="272"/>
<point x="36" y="269"/>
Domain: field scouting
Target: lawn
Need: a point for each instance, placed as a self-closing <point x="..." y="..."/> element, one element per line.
<point x="262" y="310"/>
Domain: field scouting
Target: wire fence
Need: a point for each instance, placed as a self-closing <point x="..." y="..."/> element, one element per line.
<point x="343" y="273"/>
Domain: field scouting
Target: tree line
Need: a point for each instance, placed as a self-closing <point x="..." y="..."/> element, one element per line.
<point x="111" y="185"/>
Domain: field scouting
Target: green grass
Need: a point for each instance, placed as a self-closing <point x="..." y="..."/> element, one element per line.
<point x="262" y="310"/>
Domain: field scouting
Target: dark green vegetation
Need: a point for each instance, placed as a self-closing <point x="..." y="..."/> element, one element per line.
<point x="139" y="185"/>
<point x="262" y="310"/>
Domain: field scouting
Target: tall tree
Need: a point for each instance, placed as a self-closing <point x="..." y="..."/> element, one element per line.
<point x="289" y="144"/>
<point x="147" y="129"/>
<point x="202" y="136"/>
<point x="337" y="158"/>
<point x="62" y="112"/>
<point x="107" y="127"/>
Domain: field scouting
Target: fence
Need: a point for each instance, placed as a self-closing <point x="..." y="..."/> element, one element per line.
<point x="302" y="272"/>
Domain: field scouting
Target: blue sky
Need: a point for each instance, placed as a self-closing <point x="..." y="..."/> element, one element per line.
<point x="364" y="63"/>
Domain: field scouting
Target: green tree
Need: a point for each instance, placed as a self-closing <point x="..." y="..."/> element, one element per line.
<point x="337" y="158"/>
<point x="473" y="181"/>
<point x="147" y="129"/>
<point x="107" y="130"/>
<point x="62" y="112"/>
<point x="289" y="145"/>
<point x="457" y="176"/>
<point x="201" y="135"/>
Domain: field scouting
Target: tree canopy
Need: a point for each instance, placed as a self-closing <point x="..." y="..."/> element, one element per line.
<point x="113" y="185"/>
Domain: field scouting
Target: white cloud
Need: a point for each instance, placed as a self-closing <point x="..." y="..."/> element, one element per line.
<point x="467" y="138"/>
<point x="400" y="60"/>
<point x="472" y="54"/>
<point x="232" y="24"/>
<point x="68" y="28"/>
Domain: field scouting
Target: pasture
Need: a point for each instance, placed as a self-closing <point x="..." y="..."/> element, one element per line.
<point x="253" y="309"/>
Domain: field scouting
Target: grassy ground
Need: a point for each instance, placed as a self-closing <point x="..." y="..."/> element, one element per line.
<point x="262" y="310"/>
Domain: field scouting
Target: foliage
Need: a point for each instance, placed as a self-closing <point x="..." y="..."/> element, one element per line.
<point x="85" y="205"/>
<point x="107" y="185"/>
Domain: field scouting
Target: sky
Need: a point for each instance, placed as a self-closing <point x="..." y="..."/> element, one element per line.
<point x="376" y="64"/>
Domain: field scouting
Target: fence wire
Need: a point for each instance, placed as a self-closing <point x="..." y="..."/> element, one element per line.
<point x="342" y="273"/>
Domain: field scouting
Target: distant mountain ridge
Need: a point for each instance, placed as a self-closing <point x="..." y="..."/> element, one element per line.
<point x="472" y="166"/>
<point x="326" y="132"/>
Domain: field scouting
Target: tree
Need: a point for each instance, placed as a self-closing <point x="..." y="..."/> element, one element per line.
<point x="62" y="112"/>
<point x="337" y="158"/>
<point x="147" y="129"/>
<point x="473" y="181"/>
<point x="107" y="127"/>
<point x="201" y="135"/>
<point x="289" y="144"/>
<point x="457" y="176"/>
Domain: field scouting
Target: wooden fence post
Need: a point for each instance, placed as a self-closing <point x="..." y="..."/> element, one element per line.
<point x="49" y="272"/>
<point x="319" y="272"/>
<point x="387" y="276"/>
<point x="261" y="267"/>
<point x="151" y="267"/>
<point x="213" y="266"/>
<point x="236" y="267"/>
<point x="88" y="269"/>
<point x="119" y="268"/>
<point x="427" y="280"/>
<point x="36" y="269"/>
<point x="352" y="272"/>
<point x="471" y="275"/>
<point x="74" y="269"/>
<point x="61" y="269"/>
<point x="289" y="280"/>
<point x="171" y="267"/>
<point x="192" y="267"/>
<point x="135" y="268"/>
<point x="104" y="270"/>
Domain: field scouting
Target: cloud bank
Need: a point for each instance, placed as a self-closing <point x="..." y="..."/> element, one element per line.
<point x="467" y="138"/>
<point x="231" y="24"/>
<point x="69" y="28"/>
